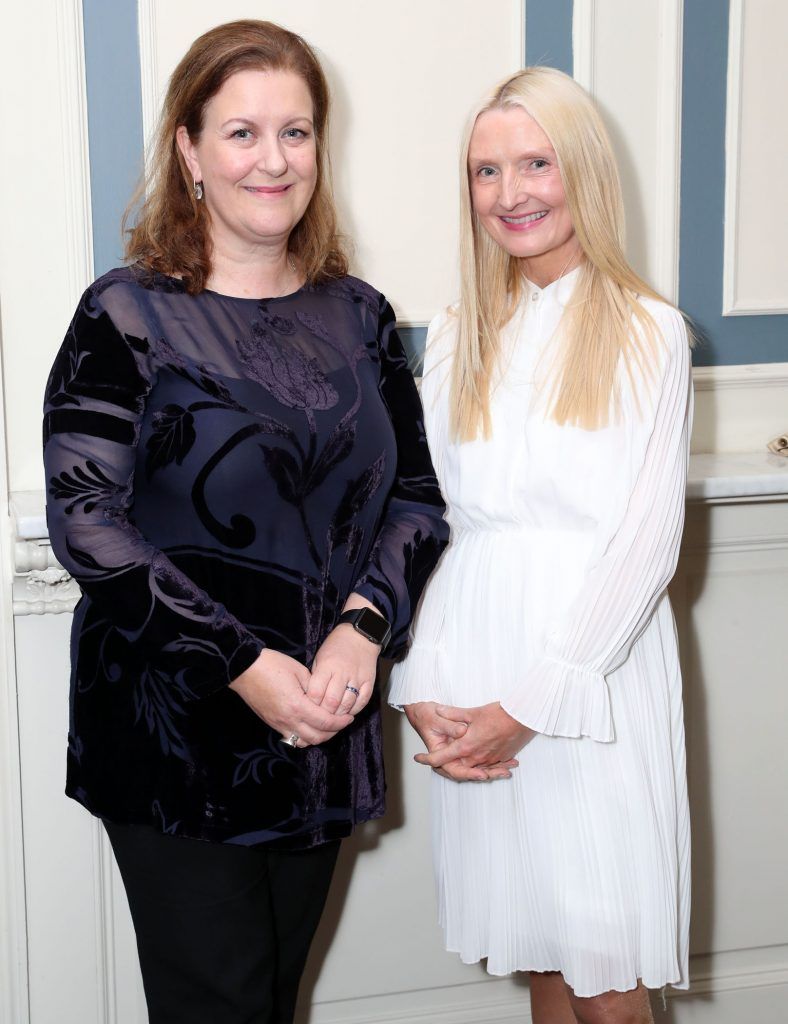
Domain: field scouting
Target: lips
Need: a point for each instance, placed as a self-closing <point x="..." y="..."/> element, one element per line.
<point x="267" y="190"/>
<point x="528" y="218"/>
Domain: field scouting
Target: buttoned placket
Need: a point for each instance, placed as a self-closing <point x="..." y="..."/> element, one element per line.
<point x="536" y="300"/>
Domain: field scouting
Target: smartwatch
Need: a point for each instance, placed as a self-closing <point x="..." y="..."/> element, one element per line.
<point x="369" y="624"/>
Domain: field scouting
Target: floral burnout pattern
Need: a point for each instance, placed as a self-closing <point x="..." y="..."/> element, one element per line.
<point x="221" y="474"/>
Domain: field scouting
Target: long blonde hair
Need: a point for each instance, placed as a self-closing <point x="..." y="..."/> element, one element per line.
<point x="596" y="330"/>
<point x="172" y="232"/>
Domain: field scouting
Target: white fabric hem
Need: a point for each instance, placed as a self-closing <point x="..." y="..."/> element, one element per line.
<point x="681" y="983"/>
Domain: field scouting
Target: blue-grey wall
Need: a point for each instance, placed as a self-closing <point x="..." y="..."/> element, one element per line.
<point x="112" y="70"/>
<point x="115" y="128"/>
<point x="548" y="33"/>
<point x="725" y="339"/>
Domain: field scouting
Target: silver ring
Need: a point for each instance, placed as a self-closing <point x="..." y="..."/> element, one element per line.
<point x="291" y="741"/>
<point x="353" y="689"/>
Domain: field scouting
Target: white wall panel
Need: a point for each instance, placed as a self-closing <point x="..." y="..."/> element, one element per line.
<point x="729" y="598"/>
<point x="403" y="77"/>
<point x="13" y="924"/>
<point x="64" y="932"/>
<point x="82" y="962"/>
<point x="735" y="569"/>
<point x="756" y="222"/>
<point x="45" y="256"/>
<point x="629" y="57"/>
<point x="739" y="408"/>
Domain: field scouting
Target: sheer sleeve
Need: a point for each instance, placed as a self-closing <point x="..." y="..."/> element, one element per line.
<point x="94" y="404"/>
<point x="565" y="692"/>
<point x="413" y="532"/>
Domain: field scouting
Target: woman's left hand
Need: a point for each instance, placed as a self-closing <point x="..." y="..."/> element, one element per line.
<point x="493" y="737"/>
<point x="343" y="672"/>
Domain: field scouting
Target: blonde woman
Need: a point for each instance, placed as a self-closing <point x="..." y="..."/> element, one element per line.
<point x="558" y="403"/>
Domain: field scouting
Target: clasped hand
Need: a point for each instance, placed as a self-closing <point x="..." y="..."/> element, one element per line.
<point x="468" y="744"/>
<point x="314" y="705"/>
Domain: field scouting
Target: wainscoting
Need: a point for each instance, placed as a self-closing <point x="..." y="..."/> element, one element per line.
<point x="378" y="956"/>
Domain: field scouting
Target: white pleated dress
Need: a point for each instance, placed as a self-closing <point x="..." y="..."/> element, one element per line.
<point x="551" y="599"/>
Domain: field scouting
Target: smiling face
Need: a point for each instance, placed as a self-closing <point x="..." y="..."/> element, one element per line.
<point x="256" y="157"/>
<point x="518" y="195"/>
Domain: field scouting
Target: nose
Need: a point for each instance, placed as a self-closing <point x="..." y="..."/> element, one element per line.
<point x="271" y="157"/>
<point x="513" y="191"/>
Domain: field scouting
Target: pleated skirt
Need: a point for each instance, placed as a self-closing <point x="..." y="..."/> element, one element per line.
<point x="580" y="862"/>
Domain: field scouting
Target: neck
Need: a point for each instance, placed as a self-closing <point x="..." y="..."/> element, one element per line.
<point x="254" y="272"/>
<point x="544" y="270"/>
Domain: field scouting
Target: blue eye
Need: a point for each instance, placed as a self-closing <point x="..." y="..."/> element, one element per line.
<point x="294" y="133"/>
<point x="485" y="172"/>
<point x="539" y="164"/>
<point x="242" y="133"/>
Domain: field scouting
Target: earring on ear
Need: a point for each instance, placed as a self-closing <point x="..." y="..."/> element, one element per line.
<point x="198" y="190"/>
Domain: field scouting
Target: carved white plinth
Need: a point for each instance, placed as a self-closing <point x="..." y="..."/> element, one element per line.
<point x="43" y="592"/>
<point x="41" y="586"/>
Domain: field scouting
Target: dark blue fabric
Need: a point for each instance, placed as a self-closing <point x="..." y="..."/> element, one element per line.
<point x="222" y="473"/>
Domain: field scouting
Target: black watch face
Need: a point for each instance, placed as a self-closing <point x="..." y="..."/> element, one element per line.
<point x="374" y="626"/>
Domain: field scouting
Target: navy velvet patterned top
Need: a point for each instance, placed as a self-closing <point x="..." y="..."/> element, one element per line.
<point x="221" y="474"/>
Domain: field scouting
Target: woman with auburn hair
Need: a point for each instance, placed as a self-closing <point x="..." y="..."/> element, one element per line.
<point x="558" y="405"/>
<point x="239" y="480"/>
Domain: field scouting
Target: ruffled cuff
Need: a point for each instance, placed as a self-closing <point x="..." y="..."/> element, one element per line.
<point x="416" y="678"/>
<point x="559" y="699"/>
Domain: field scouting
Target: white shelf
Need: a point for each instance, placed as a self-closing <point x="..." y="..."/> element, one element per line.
<point x="29" y="515"/>
<point x="738" y="477"/>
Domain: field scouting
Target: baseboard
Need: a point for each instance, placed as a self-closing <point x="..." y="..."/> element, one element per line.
<point x="716" y="996"/>
<point x="485" y="1002"/>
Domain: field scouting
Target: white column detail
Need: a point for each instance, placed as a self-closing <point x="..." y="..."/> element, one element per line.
<point x="630" y="59"/>
<point x="584" y="43"/>
<point x="756" y="153"/>
<point x="668" y="209"/>
<point x="76" y="153"/>
<point x="149" y="71"/>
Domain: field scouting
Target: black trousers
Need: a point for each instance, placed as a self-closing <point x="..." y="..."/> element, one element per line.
<point x="223" y="931"/>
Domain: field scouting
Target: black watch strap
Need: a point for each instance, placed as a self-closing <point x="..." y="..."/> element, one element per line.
<point x="370" y="624"/>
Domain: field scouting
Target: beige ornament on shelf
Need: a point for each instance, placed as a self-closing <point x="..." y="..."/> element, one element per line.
<point x="779" y="445"/>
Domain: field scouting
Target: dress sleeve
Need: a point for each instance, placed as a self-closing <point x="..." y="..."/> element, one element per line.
<point x="565" y="692"/>
<point x="94" y="404"/>
<point x="413" y="533"/>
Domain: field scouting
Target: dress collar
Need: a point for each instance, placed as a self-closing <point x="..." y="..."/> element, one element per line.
<point x="559" y="291"/>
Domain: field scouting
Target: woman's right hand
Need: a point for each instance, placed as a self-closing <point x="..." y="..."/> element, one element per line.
<point x="274" y="688"/>
<point x="438" y="732"/>
<point x="435" y="732"/>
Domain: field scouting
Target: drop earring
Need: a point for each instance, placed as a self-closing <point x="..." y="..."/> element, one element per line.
<point x="198" y="190"/>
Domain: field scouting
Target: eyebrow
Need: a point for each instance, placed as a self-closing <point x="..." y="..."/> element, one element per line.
<point x="539" y="154"/>
<point x="252" y="123"/>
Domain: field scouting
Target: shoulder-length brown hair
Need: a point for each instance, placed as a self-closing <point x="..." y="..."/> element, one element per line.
<point x="172" y="230"/>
